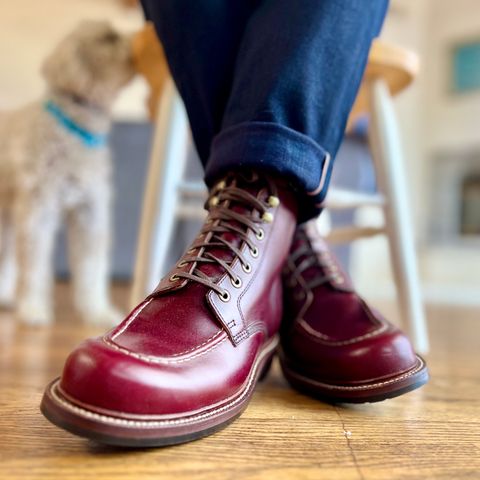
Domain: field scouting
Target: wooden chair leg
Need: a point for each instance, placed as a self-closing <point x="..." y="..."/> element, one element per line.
<point x="387" y="155"/>
<point x="165" y="171"/>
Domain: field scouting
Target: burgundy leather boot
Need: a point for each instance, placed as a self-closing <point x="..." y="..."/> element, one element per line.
<point x="334" y="346"/>
<point x="185" y="362"/>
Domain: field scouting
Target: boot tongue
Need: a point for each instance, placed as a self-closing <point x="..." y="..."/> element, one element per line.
<point x="319" y="248"/>
<point x="214" y="270"/>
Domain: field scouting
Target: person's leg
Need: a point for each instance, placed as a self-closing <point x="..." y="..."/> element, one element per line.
<point x="201" y="39"/>
<point x="298" y="70"/>
<point x="295" y="68"/>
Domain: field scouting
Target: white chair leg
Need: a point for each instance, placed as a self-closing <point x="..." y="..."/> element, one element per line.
<point x="387" y="155"/>
<point x="324" y="223"/>
<point x="165" y="171"/>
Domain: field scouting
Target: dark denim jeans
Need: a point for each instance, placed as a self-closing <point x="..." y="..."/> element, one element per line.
<point x="268" y="84"/>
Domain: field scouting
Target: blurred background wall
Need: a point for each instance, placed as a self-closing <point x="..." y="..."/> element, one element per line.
<point x="30" y="29"/>
<point x="439" y="123"/>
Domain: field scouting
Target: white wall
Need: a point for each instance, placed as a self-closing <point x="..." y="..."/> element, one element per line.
<point x="454" y="120"/>
<point x="29" y="29"/>
<point x="452" y="125"/>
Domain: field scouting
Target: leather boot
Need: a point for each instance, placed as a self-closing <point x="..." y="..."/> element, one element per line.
<point x="185" y="362"/>
<point x="334" y="346"/>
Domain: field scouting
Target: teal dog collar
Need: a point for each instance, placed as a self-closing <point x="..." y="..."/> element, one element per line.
<point x="89" y="139"/>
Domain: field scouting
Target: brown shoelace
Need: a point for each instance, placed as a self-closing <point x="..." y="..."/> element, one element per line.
<point x="312" y="259"/>
<point x="223" y="219"/>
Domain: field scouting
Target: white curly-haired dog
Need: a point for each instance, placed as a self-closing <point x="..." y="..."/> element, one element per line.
<point x="55" y="164"/>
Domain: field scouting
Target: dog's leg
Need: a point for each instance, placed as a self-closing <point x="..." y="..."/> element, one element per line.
<point x="36" y="224"/>
<point x="89" y="248"/>
<point x="8" y="263"/>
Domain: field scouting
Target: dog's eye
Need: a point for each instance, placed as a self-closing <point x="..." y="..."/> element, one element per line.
<point x="110" y="37"/>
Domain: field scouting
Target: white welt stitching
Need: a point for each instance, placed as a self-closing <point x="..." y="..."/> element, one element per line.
<point x="208" y="340"/>
<point x="146" y="357"/>
<point x="132" y="318"/>
<point x="159" y="423"/>
<point x="163" y="360"/>
<point x="360" y="387"/>
<point x="326" y="340"/>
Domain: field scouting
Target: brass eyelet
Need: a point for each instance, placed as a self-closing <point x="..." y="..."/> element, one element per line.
<point x="224" y="296"/>
<point x="191" y="250"/>
<point x="247" y="268"/>
<point x="273" y="201"/>
<point x="254" y="252"/>
<point x="181" y="264"/>
<point x="267" y="217"/>
<point x="213" y="201"/>
<point x="260" y="234"/>
<point x="237" y="282"/>
<point x="174" y="278"/>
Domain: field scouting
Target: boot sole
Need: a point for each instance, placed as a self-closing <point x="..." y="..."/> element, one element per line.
<point x="151" y="430"/>
<point x="359" y="393"/>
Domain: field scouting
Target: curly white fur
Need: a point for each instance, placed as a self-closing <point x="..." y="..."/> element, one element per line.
<point x="47" y="174"/>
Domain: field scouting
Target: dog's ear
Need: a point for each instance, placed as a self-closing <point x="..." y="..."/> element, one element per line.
<point x="93" y="62"/>
<point x="64" y="68"/>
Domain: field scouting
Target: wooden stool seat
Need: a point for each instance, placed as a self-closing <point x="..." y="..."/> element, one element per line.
<point x="397" y="66"/>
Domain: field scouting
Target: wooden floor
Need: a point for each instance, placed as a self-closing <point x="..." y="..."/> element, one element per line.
<point x="432" y="433"/>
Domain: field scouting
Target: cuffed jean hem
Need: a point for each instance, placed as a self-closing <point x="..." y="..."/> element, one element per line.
<point x="277" y="150"/>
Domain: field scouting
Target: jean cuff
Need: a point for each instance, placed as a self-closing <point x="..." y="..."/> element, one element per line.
<point x="277" y="150"/>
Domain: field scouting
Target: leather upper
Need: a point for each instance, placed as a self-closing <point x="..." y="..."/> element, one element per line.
<point x="329" y="333"/>
<point x="185" y="348"/>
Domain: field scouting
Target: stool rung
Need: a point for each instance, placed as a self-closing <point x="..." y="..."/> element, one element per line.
<point x="338" y="199"/>
<point x="348" y="234"/>
<point x="195" y="212"/>
<point x="192" y="189"/>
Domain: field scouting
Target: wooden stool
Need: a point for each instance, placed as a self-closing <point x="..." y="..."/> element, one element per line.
<point x="169" y="198"/>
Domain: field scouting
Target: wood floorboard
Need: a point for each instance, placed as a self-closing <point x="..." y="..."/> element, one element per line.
<point x="432" y="433"/>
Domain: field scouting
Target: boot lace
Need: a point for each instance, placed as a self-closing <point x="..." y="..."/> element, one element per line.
<point x="224" y="221"/>
<point x="327" y="271"/>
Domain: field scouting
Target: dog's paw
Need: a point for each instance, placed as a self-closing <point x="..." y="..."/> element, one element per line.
<point x="108" y="316"/>
<point x="30" y="315"/>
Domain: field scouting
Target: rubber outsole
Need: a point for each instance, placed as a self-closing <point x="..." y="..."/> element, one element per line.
<point x="130" y="442"/>
<point x="363" y="393"/>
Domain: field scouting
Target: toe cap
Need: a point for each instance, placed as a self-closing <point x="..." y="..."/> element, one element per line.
<point x="101" y="377"/>
<point x="372" y="358"/>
